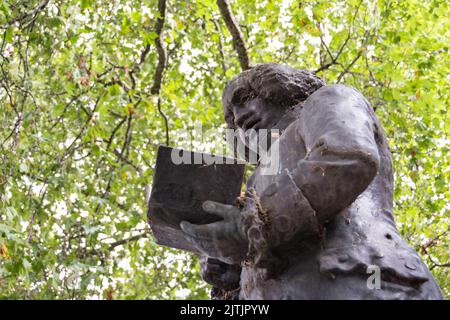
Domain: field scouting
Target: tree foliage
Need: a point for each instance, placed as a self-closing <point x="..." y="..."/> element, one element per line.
<point x="82" y="115"/>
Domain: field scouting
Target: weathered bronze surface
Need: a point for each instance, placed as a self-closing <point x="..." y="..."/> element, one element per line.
<point x="326" y="219"/>
<point x="323" y="222"/>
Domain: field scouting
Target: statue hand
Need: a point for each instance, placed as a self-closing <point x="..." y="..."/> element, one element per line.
<point x="224" y="240"/>
<point x="219" y="274"/>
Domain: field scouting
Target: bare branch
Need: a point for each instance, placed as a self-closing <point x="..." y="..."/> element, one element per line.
<point x="71" y="147"/>
<point x="113" y="133"/>
<point x="33" y="215"/>
<point x="33" y="13"/>
<point x="236" y="33"/>
<point x="144" y="54"/>
<point x="348" y="67"/>
<point x="128" y="240"/>
<point x="341" y="49"/>
<point x="121" y="158"/>
<point x="366" y="37"/>
<point x="435" y="264"/>
<point x="165" y="120"/>
<point x="162" y="53"/>
<point x="222" y="55"/>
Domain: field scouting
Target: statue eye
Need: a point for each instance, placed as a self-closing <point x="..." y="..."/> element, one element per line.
<point x="241" y="96"/>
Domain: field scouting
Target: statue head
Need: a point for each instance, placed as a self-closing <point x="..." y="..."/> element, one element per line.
<point x="260" y="97"/>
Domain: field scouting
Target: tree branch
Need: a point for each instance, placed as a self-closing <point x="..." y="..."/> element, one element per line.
<point x="222" y="54"/>
<point x="127" y="240"/>
<point x="162" y="53"/>
<point x="22" y="17"/>
<point x="162" y="61"/>
<point x="236" y="33"/>
<point x="348" y="67"/>
<point x="113" y="133"/>
<point x="165" y="121"/>
<point x="71" y="147"/>
<point x="441" y="265"/>
<point x="341" y="49"/>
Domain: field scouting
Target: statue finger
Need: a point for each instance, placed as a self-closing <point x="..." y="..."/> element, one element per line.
<point x="198" y="244"/>
<point x="219" y="209"/>
<point x="204" y="231"/>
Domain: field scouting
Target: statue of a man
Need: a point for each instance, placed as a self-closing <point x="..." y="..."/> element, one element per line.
<point x="322" y="227"/>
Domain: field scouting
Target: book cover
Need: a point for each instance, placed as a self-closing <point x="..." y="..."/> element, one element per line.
<point x="179" y="190"/>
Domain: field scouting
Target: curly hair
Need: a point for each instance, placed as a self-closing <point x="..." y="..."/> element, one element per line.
<point x="280" y="84"/>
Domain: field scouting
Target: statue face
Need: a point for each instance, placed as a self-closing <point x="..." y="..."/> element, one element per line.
<point x="260" y="97"/>
<point x="256" y="113"/>
<point x="267" y="96"/>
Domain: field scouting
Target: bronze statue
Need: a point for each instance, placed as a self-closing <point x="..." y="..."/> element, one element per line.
<point x="316" y="228"/>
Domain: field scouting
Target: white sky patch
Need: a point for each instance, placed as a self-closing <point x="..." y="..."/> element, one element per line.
<point x="315" y="41"/>
<point x="274" y="44"/>
<point x="326" y="27"/>
<point x="185" y="67"/>
<point x="8" y="51"/>
<point x="442" y="142"/>
<point x="121" y="199"/>
<point x="105" y="219"/>
<point x="308" y="12"/>
<point x="182" y="293"/>
<point x="105" y="282"/>
<point x="58" y="229"/>
<point x="124" y="264"/>
<point x="105" y="238"/>
<point x="60" y="209"/>
<point x="7" y="195"/>
<point x="142" y="242"/>
<point x="195" y="52"/>
<point x="37" y="188"/>
<point x="409" y="182"/>
<point x="285" y="18"/>
<point x="141" y="225"/>
<point x="67" y="143"/>
<point x="173" y="283"/>
<point x="261" y="5"/>
<point x="186" y="62"/>
<point x="24" y="225"/>
<point x="84" y="213"/>
<point x="73" y="197"/>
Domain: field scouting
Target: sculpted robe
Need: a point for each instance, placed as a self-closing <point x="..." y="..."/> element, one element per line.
<point x="327" y="215"/>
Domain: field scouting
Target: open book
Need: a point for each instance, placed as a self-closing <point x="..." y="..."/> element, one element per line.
<point x="179" y="190"/>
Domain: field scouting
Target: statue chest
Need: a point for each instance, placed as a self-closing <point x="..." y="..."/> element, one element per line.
<point x="283" y="156"/>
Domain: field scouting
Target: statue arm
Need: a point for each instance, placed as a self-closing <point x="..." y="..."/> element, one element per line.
<point x="341" y="161"/>
<point x="342" y="157"/>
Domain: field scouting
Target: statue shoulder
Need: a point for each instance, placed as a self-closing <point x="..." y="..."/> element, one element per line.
<point x="331" y="94"/>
